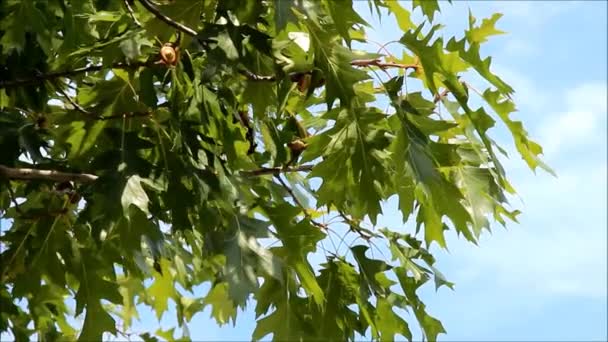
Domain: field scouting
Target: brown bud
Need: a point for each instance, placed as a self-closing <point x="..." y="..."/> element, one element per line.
<point x="169" y="54"/>
<point x="297" y="145"/>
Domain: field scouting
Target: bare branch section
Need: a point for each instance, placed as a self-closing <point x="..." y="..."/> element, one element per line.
<point x="131" y="13"/>
<point x="277" y="170"/>
<point x="59" y="176"/>
<point x="66" y="73"/>
<point x="158" y="14"/>
<point x="52" y="175"/>
<point x="357" y="63"/>
<point x="299" y="204"/>
<point x="381" y="64"/>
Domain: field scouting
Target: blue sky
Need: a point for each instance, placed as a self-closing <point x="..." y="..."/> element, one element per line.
<point x="544" y="279"/>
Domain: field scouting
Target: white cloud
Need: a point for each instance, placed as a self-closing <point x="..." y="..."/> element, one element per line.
<point x="531" y="13"/>
<point x="583" y="123"/>
<point x="558" y="249"/>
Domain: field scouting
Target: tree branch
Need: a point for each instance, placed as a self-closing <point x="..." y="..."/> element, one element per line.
<point x="52" y="175"/>
<point x="59" y="176"/>
<point x="382" y="65"/>
<point x="357" y="63"/>
<point x="298" y="203"/>
<point x="70" y="100"/>
<point x="125" y="115"/>
<point x="276" y="170"/>
<point x="158" y="14"/>
<point x="131" y="13"/>
<point x="65" y="73"/>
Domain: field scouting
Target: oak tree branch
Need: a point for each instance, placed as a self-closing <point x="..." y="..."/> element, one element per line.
<point x="52" y="175"/>
<point x="65" y="73"/>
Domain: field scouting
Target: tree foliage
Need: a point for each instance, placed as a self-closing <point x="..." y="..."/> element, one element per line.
<point x="147" y="148"/>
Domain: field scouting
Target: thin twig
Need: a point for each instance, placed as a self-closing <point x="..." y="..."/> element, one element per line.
<point x="158" y="14"/>
<point x="70" y="100"/>
<point x="131" y="12"/>
<point x="299" y="204"/>
<point x="469" y="86"/>
<point x="382" y="65"/>
<point x="65" y="73"/>
<point x="124" y="115"/>
<point x="354" y="226"/>
<point x="253" y="77"/>
<point x="357" y="63"/>
<point x="13" y="198"/>
<point x="276" y="170"/>
<point x="441" y="95"/>
<point x="52" y="175"/>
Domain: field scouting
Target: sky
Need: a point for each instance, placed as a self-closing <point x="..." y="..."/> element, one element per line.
<point x="546" y="278"/>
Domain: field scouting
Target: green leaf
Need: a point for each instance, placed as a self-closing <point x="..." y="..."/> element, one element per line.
<point x="334" y="61"/>
<point x="162" y="289"/>
<point x="283" y="324"/>
<point x="428" y="7"/>
<point x="371" y="270"/>
<point x="134" y="194"/>
<point x="402" y="15"/>
<point x="389" y="323"/>
<point x="528" y="149"/>
<point x="96" y="322"/>
<point x="222" y="307"/>
<point x="283" y="13"/>
<point x="481" y="33"/>
<point x="112" y="97"/>
<point x="431" y="327"/>
<point x="182" y="11"/>
<point x="344" y="17"/>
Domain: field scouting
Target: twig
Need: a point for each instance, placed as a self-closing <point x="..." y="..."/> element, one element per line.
<point x="357" y="62"/>
<point x="13" y="198"/>
<point x="70" y="100"/>
<point x="125" y="115"/>
<point x="298" y="203"/>
<point x="469" y="86"/>
<point x="253" y="77"/>
<point x="158" y="14"/>
<point x="441" y="95"/>
<point x="355" y="227"/>
<point x="382" y="65"/>
<point x="250" y="135"/>
<point x="131" y="13"/>
<point x="52" y="175"/>
<point x="57" y="74"/>
<point x="276" y="170"/>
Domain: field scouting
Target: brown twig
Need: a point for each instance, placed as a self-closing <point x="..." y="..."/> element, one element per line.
<point x="65" y="73"/>
<point x="354" y="226"/>
<point x="131" y="12"/>
<point x="125" y="115"/>
<point x="441" y="95"/>
<point x="382" y="65"/>
<point x="70" y="100"/>
<point x="253" y="77"/>
<point x="276" y="170"/>
<point x="52" y="175"/>
<point x="299" y="204"/>
<point x="357" y="62"/>
<point x="158" y="14"/>
<point x="250" y="134"/>
<point x="13" y="198"/>
<point x="59" y="176"/>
